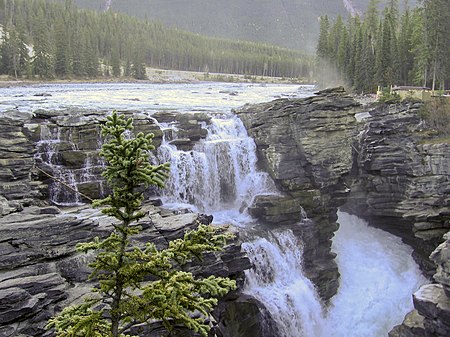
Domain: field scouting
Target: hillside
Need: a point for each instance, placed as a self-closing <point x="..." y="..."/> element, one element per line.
<point x="70" y="42"/>
<point x="287" y="23"/>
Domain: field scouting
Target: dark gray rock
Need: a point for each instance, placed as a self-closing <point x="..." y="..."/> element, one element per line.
<point x="306" y="146"/>
<point x="433" y="304"/>
<point x="190" y="127"/>
<point x="402" y="180"/>
<point x="41" y="272"/>
<point x="244" y="317"/>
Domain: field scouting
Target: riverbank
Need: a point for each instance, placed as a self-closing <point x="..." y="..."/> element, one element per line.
<point x="161" y="76"/>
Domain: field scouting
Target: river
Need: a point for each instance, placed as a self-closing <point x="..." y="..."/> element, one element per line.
<point x="219" y="176"/>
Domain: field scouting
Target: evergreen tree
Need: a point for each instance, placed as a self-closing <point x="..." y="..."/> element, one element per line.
<point x="322" y="44"/>
<point x="138" y="68"/>
<point x="419" y="48"/>
<point x="43" y="58"/>
<point x="405" y="47"/>
<point x="371" y="17"/>
<point x="115" y="61"/>
<point x="63" y="62"/>
<point x="136" y="285"/>
<point x="437" y="25"/>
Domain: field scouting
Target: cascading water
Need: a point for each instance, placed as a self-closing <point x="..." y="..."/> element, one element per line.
<point x="277" y="280"/>
<point x="219" y="174"/>
<point x="378" y="276"/>
<point x="53" y="141"/>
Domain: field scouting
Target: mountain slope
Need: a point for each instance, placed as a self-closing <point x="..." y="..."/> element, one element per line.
<point x="287" y="23"/>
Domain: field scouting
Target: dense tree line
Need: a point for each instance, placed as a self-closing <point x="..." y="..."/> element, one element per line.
<point x="390" y="48"/>
<point x="47" y="39"/>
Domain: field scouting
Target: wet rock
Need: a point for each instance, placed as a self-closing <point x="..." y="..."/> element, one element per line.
<point x="190" y="127"/>
<point x="402" y="179"/>
<point x="244" y="317"/>
<point x="412" y="326"/>
<point x="276" y="210"/>
<point x="432" y="303"/>
<point x="306" y="146"/>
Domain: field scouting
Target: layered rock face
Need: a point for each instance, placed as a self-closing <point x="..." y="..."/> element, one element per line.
<point x="306" y="146"/>
<point x="18" y="186"/>
<point x="431" y="316"/>
<point x="402" y="185"/>
<point x="385" y="168"/>
<point x="403" y="179"/>
<point x="40" y="271"/>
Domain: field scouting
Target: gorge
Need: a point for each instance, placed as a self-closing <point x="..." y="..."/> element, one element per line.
<point x="277" y="171"/>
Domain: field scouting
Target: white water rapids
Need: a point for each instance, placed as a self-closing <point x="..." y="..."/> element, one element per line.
<point x="378" y="276"/>
<point x="219" y="176"/>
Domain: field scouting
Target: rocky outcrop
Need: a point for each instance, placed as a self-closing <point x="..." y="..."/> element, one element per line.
<point x="68" y="143"/>
<point x="401" y="184"/>
<point x="402" y="179"/>
<point x="386" y="168"/>
<point x="306" y="146"/>
<point x="431" y="316"/>
<point x="189" y="127"/>
<point x="40" y="271"/>
<point x="18" y="185"/>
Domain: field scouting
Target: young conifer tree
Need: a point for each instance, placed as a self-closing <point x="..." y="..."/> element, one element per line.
<point x="124" y="296"/>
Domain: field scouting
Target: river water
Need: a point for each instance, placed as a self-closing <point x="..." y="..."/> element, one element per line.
<point x="219" y="176"/>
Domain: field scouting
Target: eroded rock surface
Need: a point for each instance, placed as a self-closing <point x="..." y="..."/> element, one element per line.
<point x="40" y="271"/>
<point x="403" y="183"/>
<point x="305" y="145"/>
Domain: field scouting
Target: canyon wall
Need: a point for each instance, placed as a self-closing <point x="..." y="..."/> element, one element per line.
<point x="306" y="146"/>
<point x="380" y="162"/>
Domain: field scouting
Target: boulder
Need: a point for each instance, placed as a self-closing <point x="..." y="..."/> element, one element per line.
<point x="432" y="303"/>
<point x="441" y="257"/>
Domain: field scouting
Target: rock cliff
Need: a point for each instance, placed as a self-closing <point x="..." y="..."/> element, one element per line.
<point x="402" y="178"/>
<point x="40" y="271"/>
<point x="306" y="146"/>
<point x="382" y="165"/>
<point x="401" y="184"/>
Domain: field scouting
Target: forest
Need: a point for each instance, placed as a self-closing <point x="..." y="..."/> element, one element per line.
<point x="42" y="39"/>
<point x="390" y="48"/>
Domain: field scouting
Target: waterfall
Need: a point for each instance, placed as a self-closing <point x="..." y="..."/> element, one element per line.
<point x="56" y="140"/>
<point x="378" y="276"/>
<point x="219" y="174"/>
<point x="277" y="280"/>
